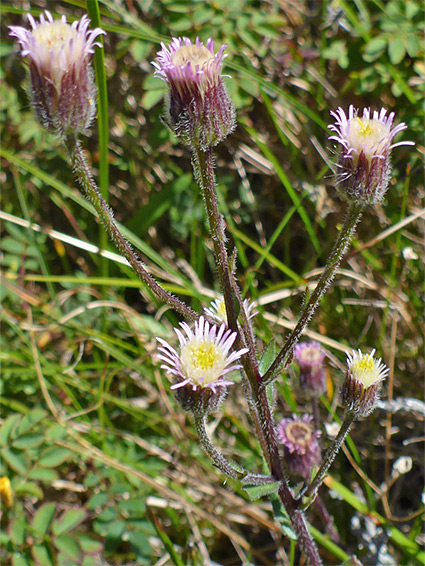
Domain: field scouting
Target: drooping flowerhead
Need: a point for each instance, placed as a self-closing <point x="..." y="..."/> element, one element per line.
<point x="363" y="379"/>
<point x="200" y="368"/>
<point x="310" y="356"/>
<point x="217" y="310"/>
<point x="364" y="162"/>
<point x="62" y="89"/>
<point x="198" y="108"/>
<point x="300" y="444"/>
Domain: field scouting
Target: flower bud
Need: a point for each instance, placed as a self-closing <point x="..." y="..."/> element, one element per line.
<point x="363" y="379"/>
<point x="198" y="108"/>
<point x="199" y="368"/>
<point x="364" y="162"/>
<point x="300" y="444"/>
<point x="62" y="90"/>
<point x="310" y="356"/>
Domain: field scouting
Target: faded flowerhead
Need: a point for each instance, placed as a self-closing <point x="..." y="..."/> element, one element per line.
<point x="61" y="88"/>
<point x="300" y="444"/>
<point x="217" y="310"/>
<point x="364" y="162"/>
<point x="310" y="356"/>
<point x="198" y="108"/>
<point x="200" y="367"/>
<point x="363" y="379"/>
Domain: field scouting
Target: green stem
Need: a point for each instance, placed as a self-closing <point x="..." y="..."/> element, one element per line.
<point x="104" y="212"/>
<point x="354" y="214"/>
<point x="330" y="455"/>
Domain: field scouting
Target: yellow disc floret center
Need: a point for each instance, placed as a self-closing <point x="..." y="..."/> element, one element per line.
<point x="367" y="135"/>
<point x="202" y="361"/>
<point x="54" y="35"/>
<point x="193" y="54"/>
<point x="364" y="370"/>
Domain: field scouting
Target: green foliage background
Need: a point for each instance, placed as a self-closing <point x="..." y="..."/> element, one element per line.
<point x="103" y="464"/>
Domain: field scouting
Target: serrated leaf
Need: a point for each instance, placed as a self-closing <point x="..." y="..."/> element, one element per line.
<point x="268" y="357"/>
<point x="67" y="545"/>
<point x="43" y="518"/>
<point x="15" y="460"/>
<point x="41" y="555"/>
<point x="43" y="474"/>
<point x="7" y="428"/>
<point x="28" y="441"/>
<point x="54" y="456"/>
<point x="396" y="50"/>
<point x="257" y="491"/>
<point x="68" y="521"/>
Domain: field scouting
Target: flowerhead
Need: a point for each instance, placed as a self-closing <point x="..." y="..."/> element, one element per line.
<point x="200" y="367"/>
<point x="363" y="379"/>
<point x="301" y="444"/>
<point x="198" y="107"/>
<point x="310" y="356"/>
<point x="217" y="310"/>
<point x="62" y="89"/>
<point x="364" y="163"/>
<point x="6" y="493"/>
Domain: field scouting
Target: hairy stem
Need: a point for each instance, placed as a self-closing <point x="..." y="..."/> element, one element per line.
<point x="204" y="171"/>
<point x="105" y="214"/>
<point x="330" y="454"/>
<point x="354" y="214"/>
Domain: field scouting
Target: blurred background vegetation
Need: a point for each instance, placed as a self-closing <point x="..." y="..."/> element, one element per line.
<point x="103" y="466"/>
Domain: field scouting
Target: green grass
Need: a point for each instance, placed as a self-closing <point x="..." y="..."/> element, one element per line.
<point x="89" y="430"/>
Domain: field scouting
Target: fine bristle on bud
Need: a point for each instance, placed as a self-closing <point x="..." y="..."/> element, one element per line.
<point x="198" y="108"/>
<point x="362" y="383"/>
<point x="62" y="90"/>
<point x="364" y="162"/>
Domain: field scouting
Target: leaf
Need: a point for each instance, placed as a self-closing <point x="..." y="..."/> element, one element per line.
<point x="396" y="50"/>
<point x="43" y="474"/>
<point x="89" y="544"/>
<point x="68" y="546"/>
<point x="54" y="456"/>
<point x="375" y="48"/>
<point x="17" y="530"/>
<point x="282" y="517"/>
<point x="28" y="441"/>
<point x="43" y="518"/>
<point x="29" y="488"/>
<point x="268" y="357"/>
<point x="68" y="521"/>
<point x="257" y="491"/>
<point x="16" y="461"/>
<point x="31" y="419"/>
<point x="7" y="428"/>
<point x="19" y="560"/>
<point x="41" y="555"/>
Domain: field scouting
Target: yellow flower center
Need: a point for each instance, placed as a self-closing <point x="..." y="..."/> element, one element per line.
<point x="365" y="371"/>
<point x="367" y="135"/>
<point x="204" y="355"/>
<point x="202" y="361"/>
<point x="193" y="54"/>
<point x="54" y="35"/>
